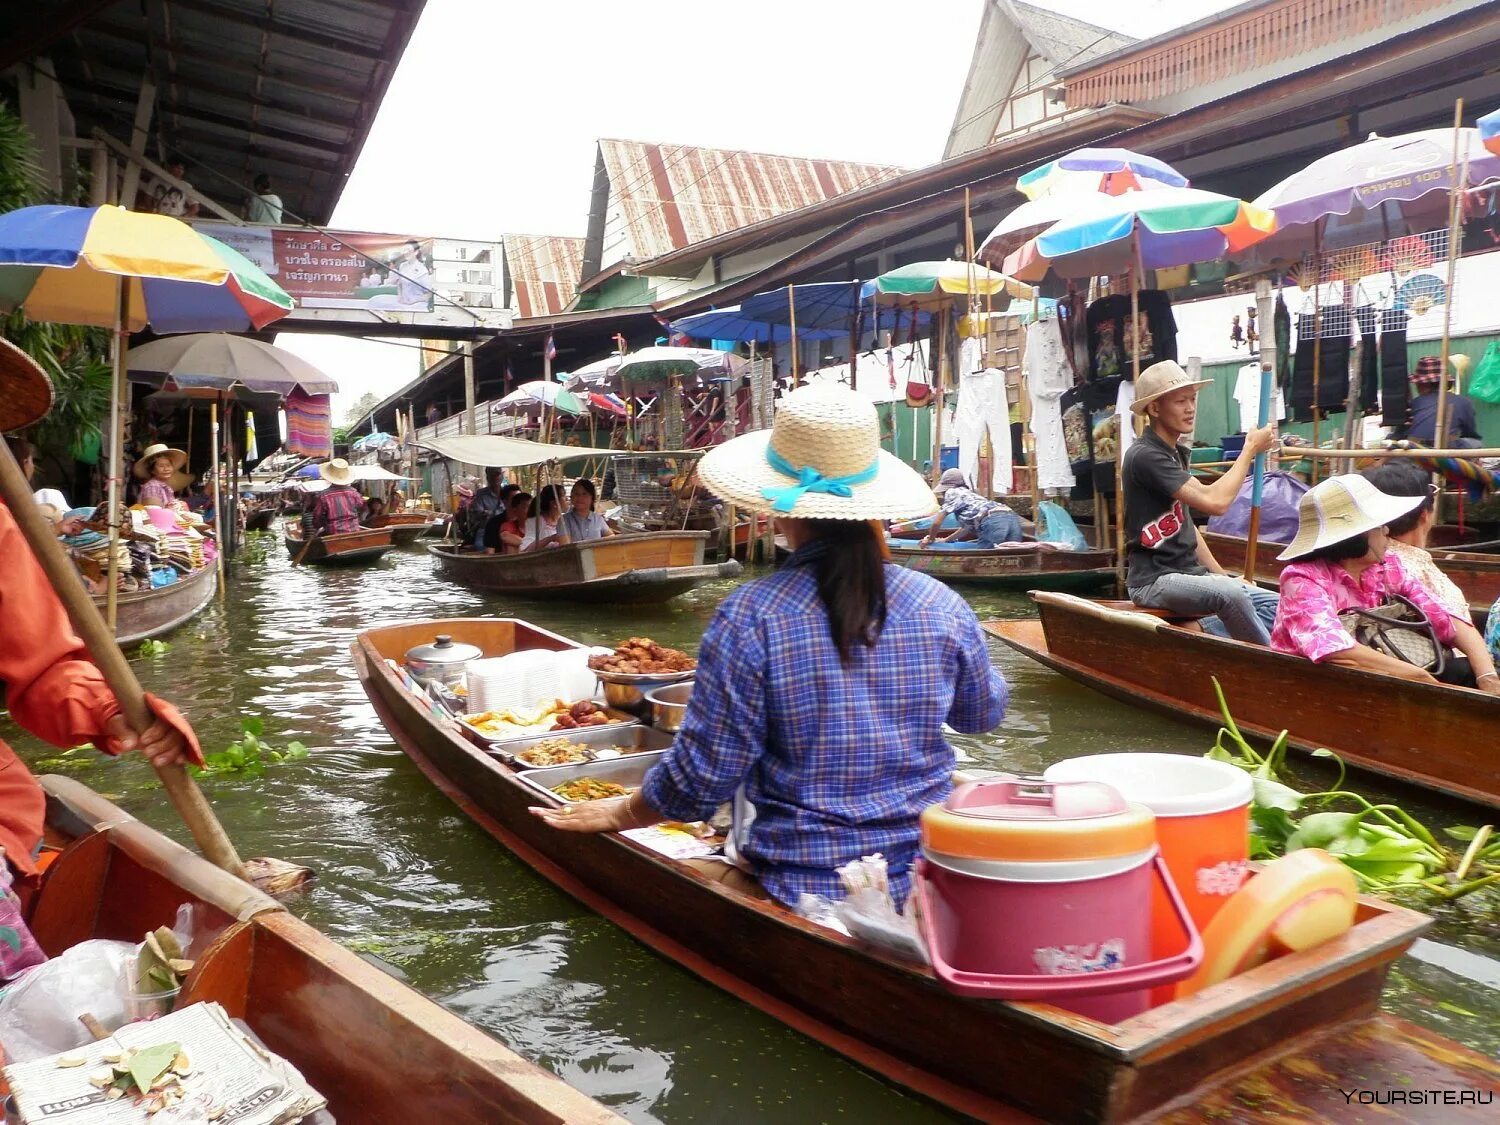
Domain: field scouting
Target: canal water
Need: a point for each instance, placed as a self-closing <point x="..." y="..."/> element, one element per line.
<point x="405" y="879"/>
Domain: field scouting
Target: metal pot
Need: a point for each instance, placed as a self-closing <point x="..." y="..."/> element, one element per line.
<point x="669" y="705"/>
<point x="442" y="662"/>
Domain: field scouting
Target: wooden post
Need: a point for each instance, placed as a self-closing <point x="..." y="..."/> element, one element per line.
<point x="1269" y="393"/>
<point x="791" y="306"/>
<point x="1353" y="419"/>
<point x="219" y="545"/>
<point x="469" y="387"/>
<point x="140" y="132"/>
<point x="1317" y="363"/>
<point x="940" y="338"/>
<point x="1120" y="420"/>
<point x="1455" y="235"/>
<point x="854" y="335"/>
<point x="119" y="396"/>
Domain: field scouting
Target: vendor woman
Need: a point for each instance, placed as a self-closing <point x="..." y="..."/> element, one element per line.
<point x="157" y="467"/>
<point x="822" y="689"/>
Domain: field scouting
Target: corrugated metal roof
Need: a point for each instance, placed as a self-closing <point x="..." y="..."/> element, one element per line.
<point x="543" y="272"/>
<point x="288" y="88"/>
<point x="665" y="197"/>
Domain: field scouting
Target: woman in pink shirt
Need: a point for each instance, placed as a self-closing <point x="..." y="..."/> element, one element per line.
<point x="157" y="466"/>
<point x="1341" y="563"/>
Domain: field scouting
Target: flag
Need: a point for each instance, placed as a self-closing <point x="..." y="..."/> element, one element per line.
<point x="250" y="437"/>
<point x="551" y="350"/>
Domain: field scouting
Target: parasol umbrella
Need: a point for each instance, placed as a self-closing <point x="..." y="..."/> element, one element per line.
<point x="538" y="395"/>
<point x="664" y="362"/>
<point x="607" y="404"/>
<point x="734" y="324"/>
<point x="220" y="361"/>
<point x="594" y="374"/>
<point x="930" y="285"/>
<point x="1110" y="171"/>
<point x="1031" y="218"/>
<point x="1489" y="131"/>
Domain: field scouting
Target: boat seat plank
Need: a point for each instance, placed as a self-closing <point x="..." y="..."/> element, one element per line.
<point x="1124" y="605"/>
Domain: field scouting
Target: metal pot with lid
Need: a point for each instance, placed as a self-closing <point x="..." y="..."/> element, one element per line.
<point x="443" y="661"/>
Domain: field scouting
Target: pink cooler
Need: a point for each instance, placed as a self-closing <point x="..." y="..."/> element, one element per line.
<point x="1033" y="890"/>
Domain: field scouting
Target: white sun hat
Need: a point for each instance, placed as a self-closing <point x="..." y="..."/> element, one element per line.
<point x="336" y="471"/>
<point x="1162" y="379"/>
<point x="1340" y="508"/>
<point x="821" y="459"/>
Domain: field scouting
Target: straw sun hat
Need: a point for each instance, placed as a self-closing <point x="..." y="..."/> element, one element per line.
<point x="1162" y="379"/>
<point x="25" y="391"/>
<point x="336" y="471"/>
<point x="821" y="459"/>
<point x="1340" y="508"/>
<point x="143" y="464"/>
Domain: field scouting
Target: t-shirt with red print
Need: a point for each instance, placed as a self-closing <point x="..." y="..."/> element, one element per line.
<point x="1159" y="533"/>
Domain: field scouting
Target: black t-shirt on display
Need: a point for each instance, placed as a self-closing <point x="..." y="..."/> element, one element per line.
<point x="1159" y="532"/>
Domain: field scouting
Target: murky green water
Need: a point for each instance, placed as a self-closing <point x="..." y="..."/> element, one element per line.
<point x="405" y="878"/>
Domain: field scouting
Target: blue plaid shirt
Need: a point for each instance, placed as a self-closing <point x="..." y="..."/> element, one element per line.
<point x="838" y="761"/>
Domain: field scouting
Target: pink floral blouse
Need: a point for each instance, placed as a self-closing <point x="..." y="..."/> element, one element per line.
<point x="1313" y="594"/>
<point x="157" y="494"/>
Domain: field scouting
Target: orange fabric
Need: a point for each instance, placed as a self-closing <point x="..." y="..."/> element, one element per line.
<point x="52" y="689"/>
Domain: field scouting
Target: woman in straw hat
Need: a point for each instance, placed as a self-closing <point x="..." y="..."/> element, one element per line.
<point x="52" y="688"/>
<point x="1339" y="561"/>
<point x="1459" y="423"/>
<point x="1169" y="565"/>
<point x="822" y="690"/>
<point x="338" y="508"/>
<point x="160" y="467"/>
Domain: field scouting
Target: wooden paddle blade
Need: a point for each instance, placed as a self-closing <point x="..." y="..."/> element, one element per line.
<point x="276" y="877"/>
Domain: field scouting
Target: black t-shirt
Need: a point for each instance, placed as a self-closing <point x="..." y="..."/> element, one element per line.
<point x="1159" y="533"/>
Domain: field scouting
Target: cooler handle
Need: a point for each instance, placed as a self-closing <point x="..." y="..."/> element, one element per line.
<point x="1041" y="986"/>
<point x="1071" y="799"/>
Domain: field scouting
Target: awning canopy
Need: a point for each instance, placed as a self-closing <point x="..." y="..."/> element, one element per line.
<point x="494" y="451"/>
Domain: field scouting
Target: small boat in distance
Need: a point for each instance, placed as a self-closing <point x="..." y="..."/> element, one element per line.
<point x="107" y="875"/>
<point x="622" y="569"/>
<point x="261" y="518"/>
<point x="352" y="548"/>
<point x="143" y="614"/>
<point x="1014" y="566"/>
<point x="407" y="527"/>
<point x="1429" y="735"/>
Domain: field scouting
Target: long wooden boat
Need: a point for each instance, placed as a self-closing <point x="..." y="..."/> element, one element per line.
<point x="407" y="527"/>
<point x="622" y="569"/>
<point x="984" y="1058"/>
<point x="376" y="1049"/>
<point x="261" y="519"/>
<point x="1475" y="573"/>
<point x="1020" y="566"/>
<point x="150" y="613"/>
<point x="353" y="548"/>
<point x="1430" y="735"/>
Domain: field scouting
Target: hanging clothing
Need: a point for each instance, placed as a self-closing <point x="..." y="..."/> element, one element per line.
<point x="1075" y="423"/>
<point x="1100" y="398"/>
<point x="1395" y="391"/>
<point x="1247" y="394"/>
<point x="1071" y="317"/>
<point x="309" y="424"/>
<point x="1114" y="341"/>
<point x="982" y="407"/>
<point x="1049" y="376"/>
<point x="1332" y="368"/>
<point x="1124" y="398"/>
<point x="1369" y="360"/>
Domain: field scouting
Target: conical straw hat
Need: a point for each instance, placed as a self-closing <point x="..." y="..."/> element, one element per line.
<point x="25" y="390"/>
<point x="1340" y="508"/>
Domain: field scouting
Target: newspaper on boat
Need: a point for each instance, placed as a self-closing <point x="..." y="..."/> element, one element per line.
<point x="231" y="1079"/>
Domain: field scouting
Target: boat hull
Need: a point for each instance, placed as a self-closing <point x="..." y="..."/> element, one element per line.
<point x="150" y="613"/>
<point x="1429" y="735"/>
<point x="986" y="1059"/>
<point x="623" y="569"/>
<point x="355" y="548"/>
<point x="260" y="519"/>
<point x="1002" y="569"/>
<point x="301" y="993"/>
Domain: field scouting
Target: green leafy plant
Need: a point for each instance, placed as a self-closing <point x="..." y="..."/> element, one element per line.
<point x="1386" y="848"/>
<point x="152" y="649"/>
<point x="249" y="755"/>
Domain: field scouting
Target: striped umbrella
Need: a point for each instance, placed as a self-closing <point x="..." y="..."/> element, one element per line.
<point x="1489" y="131"/>
<point x="928" y="285"/>
<point x="1110" y="171"/>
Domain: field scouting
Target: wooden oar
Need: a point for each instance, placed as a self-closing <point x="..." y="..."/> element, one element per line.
<point x="183" y="791"/>
<point x="1252" y="533"/>
<point x="307" y="546"/>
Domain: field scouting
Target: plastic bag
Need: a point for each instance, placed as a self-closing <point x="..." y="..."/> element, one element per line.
<point x="1054" y="525"/>
<point x="1485" y="382"/>
<point x="866" y="912"/>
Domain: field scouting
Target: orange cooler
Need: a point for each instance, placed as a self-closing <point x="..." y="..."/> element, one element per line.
<point x="1202" y="812"/>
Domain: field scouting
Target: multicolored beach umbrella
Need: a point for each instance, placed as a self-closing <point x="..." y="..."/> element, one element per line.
<point x="75" y="264"/>
<point x="1160" y="228"/>
<point x="1106" y="171"/>
<point x="928" y="284"/>
<point x="1489" y="131"/>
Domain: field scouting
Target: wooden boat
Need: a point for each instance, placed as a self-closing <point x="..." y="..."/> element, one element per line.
<point x="150" y="613"/>
<point x="407" y="527"/>
<point x="1429" y="735"/>
<point x="379" y="1051"/>
<point x="438" y="528"/>
<point x="261" y="517"/>
<point x="353" y="548"/>
<point x="623" y="569"/>
<point x="1476" y="574"/>
<point x="983" y="1058"/>
<point x="1017" y="566"/>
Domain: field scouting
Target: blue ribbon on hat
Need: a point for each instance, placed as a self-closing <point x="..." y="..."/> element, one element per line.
<point x="810" y="479"/>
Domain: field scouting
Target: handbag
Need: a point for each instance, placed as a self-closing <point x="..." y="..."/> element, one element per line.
<point x="1399" y="629"/>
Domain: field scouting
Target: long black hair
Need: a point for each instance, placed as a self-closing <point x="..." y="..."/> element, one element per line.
<point x="850" y="567"/>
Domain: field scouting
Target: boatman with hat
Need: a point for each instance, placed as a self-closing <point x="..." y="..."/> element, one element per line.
<point x="1169" y="565"/>
<point x="337" y="509"/>
<point x="51" y="687"/>
<point x="1460" y="427"/>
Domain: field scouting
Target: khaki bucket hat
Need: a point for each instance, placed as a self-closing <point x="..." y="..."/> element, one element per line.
<point x="1162" y="379"/>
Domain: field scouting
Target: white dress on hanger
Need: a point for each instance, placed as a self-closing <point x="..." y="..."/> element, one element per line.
<point x="1048" y="375"/>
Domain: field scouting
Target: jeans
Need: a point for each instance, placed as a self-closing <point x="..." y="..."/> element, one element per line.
<point x="1239" y="607"/>
<point x="1000" y="527"/>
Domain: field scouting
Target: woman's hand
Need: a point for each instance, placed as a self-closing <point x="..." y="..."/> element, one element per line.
<point x="1489" y="684"/>
<point x="162" y="745"/>
<point x="615" y="814"/>
<point x="925" y="542"/>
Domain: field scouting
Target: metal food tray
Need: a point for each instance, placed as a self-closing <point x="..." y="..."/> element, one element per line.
<point x="653" y="678"/>
<point x="637" y="739"/>
<point x="621" y="719"/>
<point x="629" y="771"/>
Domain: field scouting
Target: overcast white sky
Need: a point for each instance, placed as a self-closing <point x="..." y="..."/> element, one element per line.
<point x="490" y="122"/>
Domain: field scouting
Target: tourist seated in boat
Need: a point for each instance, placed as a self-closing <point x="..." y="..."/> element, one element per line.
<point x="1169" y="566"/>
<point x="1492" y="630"/>
<point x="989" y="522"/>
<point x="337" y="509"/>
<point x="374" y="513"/>
<point x="488" y="503"/>
<point x="1408" y="534"/>
<point x="510" y="532"/>
<point x="1340" y="561"/>
<point x="822" y="689"/>
<point x="157" y="467"/>
<point x="489" y="541"/>
<point x="1460" y="427"/>
<point x="541" y="528"/>
<point x="581" y="522"/>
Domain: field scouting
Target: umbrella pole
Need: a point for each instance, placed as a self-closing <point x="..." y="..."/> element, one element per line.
<point x="941" y="333"/>
<point x="854" y="335"/>
<point x="1317" y="364"/>
<point x="213" y="432"/>
<point x="117" y="387"/>
<point x="1136" y="269"/>
<point x="1267" y="387"/>
<point x="1455" y="212"/>
<point x="791" y="304"/>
